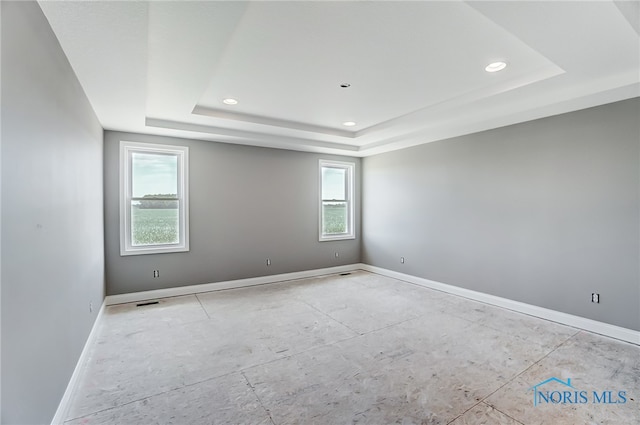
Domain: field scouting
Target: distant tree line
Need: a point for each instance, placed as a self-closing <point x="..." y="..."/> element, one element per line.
<point x="158" y="202"/>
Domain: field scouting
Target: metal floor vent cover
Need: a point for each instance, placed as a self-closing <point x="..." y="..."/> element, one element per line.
<point x="147" y="303"/>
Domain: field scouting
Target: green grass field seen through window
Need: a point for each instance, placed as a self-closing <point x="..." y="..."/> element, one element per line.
<point x="154" y="226"/>
<point x="334" y="218"/>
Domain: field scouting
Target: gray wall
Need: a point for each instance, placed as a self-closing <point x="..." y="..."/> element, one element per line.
<point x="545" y="212"/>
<point x="247" y="204"/>
<point x="52" y="233"/>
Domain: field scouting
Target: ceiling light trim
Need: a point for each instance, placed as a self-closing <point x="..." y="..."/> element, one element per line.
<point x="494" y="67"/>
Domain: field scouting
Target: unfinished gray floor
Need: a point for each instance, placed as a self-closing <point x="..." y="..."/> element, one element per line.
<point x="349" y="349"/>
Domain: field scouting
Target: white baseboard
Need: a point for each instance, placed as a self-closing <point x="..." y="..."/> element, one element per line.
<point x="231" y="284"/>
<point x="63" y="407"/>
<point x="590" y="325"/>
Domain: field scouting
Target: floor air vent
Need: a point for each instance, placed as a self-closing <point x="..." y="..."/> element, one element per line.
<point x="148" y="303"/>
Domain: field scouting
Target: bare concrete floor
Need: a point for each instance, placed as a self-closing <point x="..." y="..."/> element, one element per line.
<point x="350" y="349"/>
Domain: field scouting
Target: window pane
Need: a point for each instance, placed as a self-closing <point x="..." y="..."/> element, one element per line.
<point x="154" y="222"/>
<point x="334" y="217"/>
<point x="334" y="183"/>
<point x="154" y="174"/>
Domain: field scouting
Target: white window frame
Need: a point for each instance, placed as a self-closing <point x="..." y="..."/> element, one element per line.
<point x="349" y="167"/>
<point x="126" y="151"/>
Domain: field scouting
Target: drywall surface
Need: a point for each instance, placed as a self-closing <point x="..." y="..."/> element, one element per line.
<point x="544" y="212"/>
<point x="52" y="217"/>
<point x="247" y="205"/>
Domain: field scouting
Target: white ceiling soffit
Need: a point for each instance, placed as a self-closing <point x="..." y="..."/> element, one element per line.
<point x="415" y="69"/>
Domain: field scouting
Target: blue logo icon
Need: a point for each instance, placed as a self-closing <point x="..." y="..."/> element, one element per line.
<point x="570" y="395"/>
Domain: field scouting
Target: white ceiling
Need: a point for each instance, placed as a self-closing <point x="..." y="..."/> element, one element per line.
<point x="416" y="69"/>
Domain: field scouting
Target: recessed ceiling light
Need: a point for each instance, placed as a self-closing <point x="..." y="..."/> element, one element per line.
<point x="348" y="123"/>
<point x="230" y="101"/>
<point x="495" y="66"/>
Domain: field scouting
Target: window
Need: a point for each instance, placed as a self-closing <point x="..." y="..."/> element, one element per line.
<point x="336" y="204"/>
<point x="153" y="198"/>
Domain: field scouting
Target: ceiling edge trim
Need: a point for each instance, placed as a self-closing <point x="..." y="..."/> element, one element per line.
<point x="465" y="98"/>
<point x="274" y="122"/>
<point x="279" y="140"/>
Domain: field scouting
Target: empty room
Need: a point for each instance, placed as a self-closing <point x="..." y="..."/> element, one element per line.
<point x="320" y="212"/>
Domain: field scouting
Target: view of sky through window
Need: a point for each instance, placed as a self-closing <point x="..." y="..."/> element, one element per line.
<point x="154" y="174"/>
<point x="333" y="183"/>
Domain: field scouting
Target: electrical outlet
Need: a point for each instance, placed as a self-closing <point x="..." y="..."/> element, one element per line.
<point x="268" y="262"/>
<point x="156" y="273"/>
<point x="402" y="260"/>
<point x="595" y="298"/>
<point x="90" y="307"/>
<point x="336" y="254"/>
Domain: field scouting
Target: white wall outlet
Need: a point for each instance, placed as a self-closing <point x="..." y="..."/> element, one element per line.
<point x="156" y="273"/>
<point x="268" y="262"/>
<point x="336" y="254"/>
<point x="402" y="260"/>
<point x="90" y="307"/>
<point x="595" y="298"/>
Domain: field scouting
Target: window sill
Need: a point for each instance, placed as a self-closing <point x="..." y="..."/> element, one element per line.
<point x="336" y="238"/>
<point x="153" y="250"/>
